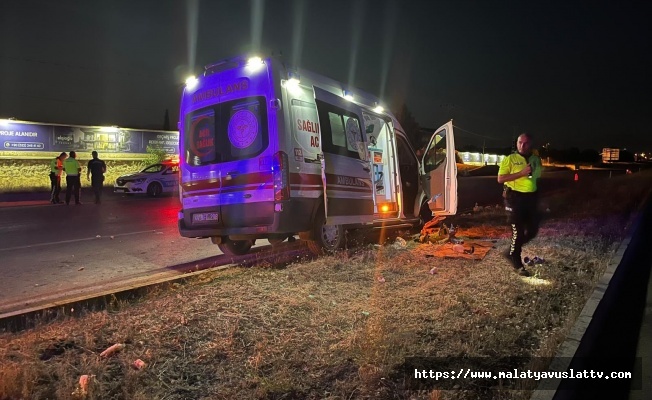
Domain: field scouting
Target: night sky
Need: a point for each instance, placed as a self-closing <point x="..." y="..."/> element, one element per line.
<point x="571" y="73"/>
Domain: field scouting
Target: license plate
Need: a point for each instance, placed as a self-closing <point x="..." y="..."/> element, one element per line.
<point x="205" y="217"/>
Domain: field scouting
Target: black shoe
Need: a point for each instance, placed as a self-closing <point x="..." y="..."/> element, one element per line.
<point x="514" y="260"/>
<point x="523" y="272"/>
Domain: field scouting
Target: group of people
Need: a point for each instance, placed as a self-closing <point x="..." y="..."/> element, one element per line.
<point x="68" y="163"/>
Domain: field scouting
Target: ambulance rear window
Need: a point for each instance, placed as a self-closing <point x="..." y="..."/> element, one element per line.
<point x="229" y="131"/>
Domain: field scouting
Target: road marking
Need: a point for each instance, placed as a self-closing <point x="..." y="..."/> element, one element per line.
<point x="29" y="246"/>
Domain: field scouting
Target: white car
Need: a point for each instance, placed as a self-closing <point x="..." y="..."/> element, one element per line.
<point x="153" y="180"/>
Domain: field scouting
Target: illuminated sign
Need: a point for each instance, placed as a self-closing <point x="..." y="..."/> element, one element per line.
<point x="214" y="92"/>
<point x="43" y="137"/>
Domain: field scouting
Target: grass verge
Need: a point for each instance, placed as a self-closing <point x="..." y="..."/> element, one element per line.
<point x="337" y="327"/>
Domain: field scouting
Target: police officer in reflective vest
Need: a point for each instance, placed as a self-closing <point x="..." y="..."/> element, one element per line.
<point x="73" y="171"/>
<point x="56" y="167"/>
<point x="518" y="173"/>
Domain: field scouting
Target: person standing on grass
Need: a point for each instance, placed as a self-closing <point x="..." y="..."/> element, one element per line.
<point x="97" y="168"/>
<point x="56" y="168"/>
<point x="518" y="173"/>
<point x="73" y="172"/>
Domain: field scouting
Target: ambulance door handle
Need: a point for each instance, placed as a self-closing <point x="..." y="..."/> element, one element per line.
<point x="367" y="169"/>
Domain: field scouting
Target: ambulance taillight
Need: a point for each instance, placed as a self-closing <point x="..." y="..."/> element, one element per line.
<point x="281" y="173"/>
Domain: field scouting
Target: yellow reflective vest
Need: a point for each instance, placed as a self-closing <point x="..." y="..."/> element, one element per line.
<point x="71" y="166"/>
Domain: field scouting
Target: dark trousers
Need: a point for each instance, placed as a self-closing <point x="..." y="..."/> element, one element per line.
<point x="523" y="215"/>
<point x="55" y="188"/>
<point x="73" y="186"/>
<point x="97" y="182"/>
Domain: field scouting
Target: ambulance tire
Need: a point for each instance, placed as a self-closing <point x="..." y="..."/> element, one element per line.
<point x="425" y="214"/>
<point x="235" y="247"/>
<point x="327" y="239"/>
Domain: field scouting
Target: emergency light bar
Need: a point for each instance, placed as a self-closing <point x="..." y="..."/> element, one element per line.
<point x="191" y="82"/>
<point x="294" y="77"/>
<point x="254" y="62"/>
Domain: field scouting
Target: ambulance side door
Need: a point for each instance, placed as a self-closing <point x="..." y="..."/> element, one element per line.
<point x="346" y="172"/>
<point x="439" y="171"/>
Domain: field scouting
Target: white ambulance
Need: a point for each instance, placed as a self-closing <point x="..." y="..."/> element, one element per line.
<point x="269" y="151"/>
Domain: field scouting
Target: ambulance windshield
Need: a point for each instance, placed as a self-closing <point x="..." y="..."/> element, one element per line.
<point x="228" y="131"/>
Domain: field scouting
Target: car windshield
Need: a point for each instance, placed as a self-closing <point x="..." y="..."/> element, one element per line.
<point x="154" y="168"/>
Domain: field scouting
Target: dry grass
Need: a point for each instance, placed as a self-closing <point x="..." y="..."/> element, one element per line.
<point x="328" y="328"/>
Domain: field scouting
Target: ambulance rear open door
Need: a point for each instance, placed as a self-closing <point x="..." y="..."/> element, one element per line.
<point x="346" y="171"/>
<point x="439" y="171"/>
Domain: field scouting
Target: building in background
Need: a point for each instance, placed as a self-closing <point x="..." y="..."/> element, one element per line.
<point x="610" y="155"/>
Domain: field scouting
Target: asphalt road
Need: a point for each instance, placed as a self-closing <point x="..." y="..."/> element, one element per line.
<point x="50" y="250"/>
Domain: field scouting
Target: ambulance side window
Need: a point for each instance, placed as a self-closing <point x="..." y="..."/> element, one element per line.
<point x="436" y="153"/>
<point x="342" y="131"/>
<point x="337" y="129"/>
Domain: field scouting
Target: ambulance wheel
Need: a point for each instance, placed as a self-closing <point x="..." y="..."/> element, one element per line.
<point x="326" y="238"/>
<point x="154" y="189"/>
<point x="425" y="214"/>
<point x="235" y="247"/>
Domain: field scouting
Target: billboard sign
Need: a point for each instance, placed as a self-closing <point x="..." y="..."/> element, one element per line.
<point x="15" y="136"/>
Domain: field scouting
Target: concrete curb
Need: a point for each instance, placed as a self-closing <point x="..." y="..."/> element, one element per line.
<point x="18" y="315"/>
<point x="568" y="348"/>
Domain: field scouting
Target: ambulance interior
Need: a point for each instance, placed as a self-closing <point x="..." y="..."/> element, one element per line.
<point x="381" y="154"/>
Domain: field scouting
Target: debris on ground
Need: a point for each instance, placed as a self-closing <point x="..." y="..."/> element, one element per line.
<point x="139" y="364"/>
<point x="82" y="387"/>
<point x="113" y="349"/>
<point x="399" y="243"/>
<point x="432" y="233"/>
